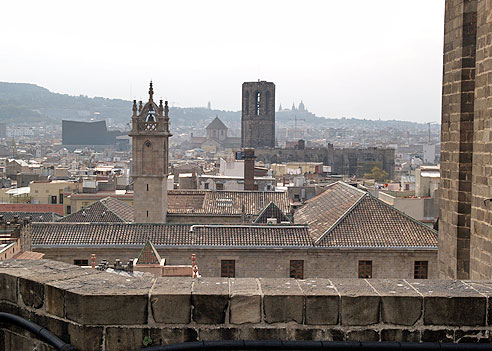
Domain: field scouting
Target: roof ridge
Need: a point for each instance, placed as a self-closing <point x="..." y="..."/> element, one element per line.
<point x="112" y="210"/>
<point x="341" y="218"/>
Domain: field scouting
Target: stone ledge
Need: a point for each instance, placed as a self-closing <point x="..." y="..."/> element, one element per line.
<point x="92" y="298"/>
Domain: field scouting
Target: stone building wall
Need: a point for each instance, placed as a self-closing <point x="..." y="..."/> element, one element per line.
<point x="481" y="207"/>
<point x="97" y="311"/>
<point x="457" y="138"/>
<point x="271" y="263"/>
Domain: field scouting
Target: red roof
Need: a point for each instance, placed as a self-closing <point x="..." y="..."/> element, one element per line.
<point x="32" y="208"/>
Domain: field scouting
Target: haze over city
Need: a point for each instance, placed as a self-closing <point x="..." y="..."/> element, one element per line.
<point x="343" y="59"/>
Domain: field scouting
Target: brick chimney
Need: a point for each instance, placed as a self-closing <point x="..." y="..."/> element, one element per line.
<point x="249" y="169"/>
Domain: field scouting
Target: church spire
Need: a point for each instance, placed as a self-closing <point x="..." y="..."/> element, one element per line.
<point x="151" y="92"/>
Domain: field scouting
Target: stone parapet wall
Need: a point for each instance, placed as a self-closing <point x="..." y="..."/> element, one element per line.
<point x="96" y="310"/>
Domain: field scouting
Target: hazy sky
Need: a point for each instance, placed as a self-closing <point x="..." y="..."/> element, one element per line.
<point x="366" y="59"/>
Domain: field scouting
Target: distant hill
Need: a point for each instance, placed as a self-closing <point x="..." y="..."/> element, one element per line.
<point x="21" y="102"/>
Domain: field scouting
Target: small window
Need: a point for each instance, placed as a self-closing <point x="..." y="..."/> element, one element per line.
<point x="421" y="270"/>
<point x="297" y="269"/>
<point x="365" y="269"/>
<point x="147" y="213"/>
<point x="219" y="186"/>
<point x="61" y="199"/>
<point x="227" y="268"/>
<point x="53" y="199"/>
<point x="147" y="187"/>
<point x="69" y="209"/>
<point x="81" y="262"/>
<point x="205" y="186"/>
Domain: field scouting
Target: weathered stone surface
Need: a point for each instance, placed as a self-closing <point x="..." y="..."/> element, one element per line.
<point x="171" y="300"/>
<point x="322" y="301"/>
<point x="362" y="335"/>
<point x="8" y="283"/>
<point x="18" y="342"/>
<point x="321" y="334"/>
<point x="31" y="292"/>
<point x="471" y="336"/>
<point x="484" y="288"/>
<point x="451" y="303"/>
<point x="86" y="338"/>
<point x="219" y="333"/>
<point x="169" y="336"/>
<point x="282" y="300"/>
<point x="106" y="298"/>
<point x="210" y="298"/>
<point x="400" y="303"/>
<point x="259" y="333"/>
<point x="400" y="335"/>
<point x="124" y="339"/>
<point x="245" y="301"/>
<point x="443" y="335"/>
<point x="359" y="302"/>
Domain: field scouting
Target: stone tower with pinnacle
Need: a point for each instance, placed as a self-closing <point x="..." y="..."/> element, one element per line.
<point x="150" y="151"/>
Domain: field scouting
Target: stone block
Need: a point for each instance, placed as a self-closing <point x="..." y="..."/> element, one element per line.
<point x="484" y="288"/>
<point x="171" y="300"/>
<point x="359" y="302"/>
<point x="362" y="335"/>
<point x="8" y="282"/>
<point x="400" y="335"/>
<point x="321" y="334"/>
<point x="443" y="335"/>
<point x="451" y="303"/>
<point x="245" y="301"/>
<point x="106" y="298"/>
<point x="86" y="338"/>
<point x="471" y="336"/>
<point x="31" y="292"/>
<point x="220" y="333"/>
<point x="282" y="300"/>
<point x="263" y="333"/>
<point x="210" y="298"/>
<point x="322" y="301"/>
<point x="400" y="303"/>
<point x="14" y="342"/>
<point x="124" y="339"/>
<point x="169" y="336"/>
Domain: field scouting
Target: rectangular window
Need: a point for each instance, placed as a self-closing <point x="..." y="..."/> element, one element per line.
<point x="227" y="268"/>
<point x="81" y="262"/>
<point x="205" y="186"/>
<point x="147" y="213"/>
<point x="219" y="186"/>
<point x="147" y="187"/>
<point x="297" y="269"/>
<point x="53" y="199"/>
<point x="69" y="209"/>
<point x="365" y="269"/>
<point x="421" y="270"/>
<point x="61" y="199"/>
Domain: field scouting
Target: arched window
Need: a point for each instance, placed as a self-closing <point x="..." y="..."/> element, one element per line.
<point x="257" y="103"/>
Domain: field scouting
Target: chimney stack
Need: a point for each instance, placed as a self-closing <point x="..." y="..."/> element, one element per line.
<point x="249" y="169"/>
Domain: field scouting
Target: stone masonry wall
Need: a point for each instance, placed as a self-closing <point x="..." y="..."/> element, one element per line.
<point x="270" y="263"/>
<point x="102" y="311"/>
<point x="481" y="213"/>
<point x="457" y="138"/>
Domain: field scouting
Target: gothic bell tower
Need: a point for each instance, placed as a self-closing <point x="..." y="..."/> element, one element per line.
<point x="150" y="146"/>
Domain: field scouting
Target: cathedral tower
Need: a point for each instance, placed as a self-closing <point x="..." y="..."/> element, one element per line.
<point x="258" y="115"/>
<point x="150" y="139"/>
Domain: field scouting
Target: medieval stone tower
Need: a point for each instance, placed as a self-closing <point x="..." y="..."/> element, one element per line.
<point x="258" y="116"/>
<point x="150" y="138"/>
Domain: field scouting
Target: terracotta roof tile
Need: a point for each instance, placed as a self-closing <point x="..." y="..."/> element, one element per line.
<point x="34" y="216"/>
<point x="105" y="210"/>
<point x="32" y="208"/>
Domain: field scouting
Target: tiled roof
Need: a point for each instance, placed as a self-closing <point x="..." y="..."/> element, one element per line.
<point x="222" y="202"/>
<point x="374" y="224"/>
<point x="322" y="211"/>
<point x="345" y="217"/>
<point x="32" y="208"/>
<point x="216" y="124"/>
<point x="148" y="255"/>
<point x="34" y="216"/>
<point x="105" y="210"/>
<point x="136" y="234"/>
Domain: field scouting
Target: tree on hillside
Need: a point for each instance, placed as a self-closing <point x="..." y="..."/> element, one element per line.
<point x="380" y="175"/>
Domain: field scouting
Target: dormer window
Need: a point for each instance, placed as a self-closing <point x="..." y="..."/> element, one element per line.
<point x="150" y="114"/>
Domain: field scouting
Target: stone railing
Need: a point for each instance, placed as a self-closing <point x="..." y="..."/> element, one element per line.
<point x="96" y="310"/>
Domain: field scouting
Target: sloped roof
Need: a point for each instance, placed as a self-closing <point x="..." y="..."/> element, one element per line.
<point x="148" y="255"/>
<point x="272" y="211"/>
<point x="323" y="211"/>
<point x="34" y="216"/>
<point x="137" y="234"/>
<point x="345" y="217"/>
<point x="32" y="208"/>
<point x="223" y="202"/>
<point x="105" y="210"/>
<point x="217" y="124"/>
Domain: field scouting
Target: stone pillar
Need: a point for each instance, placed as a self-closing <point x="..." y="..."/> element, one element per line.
<point x="460" y="31"/>
<point x="249" y="169"/>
